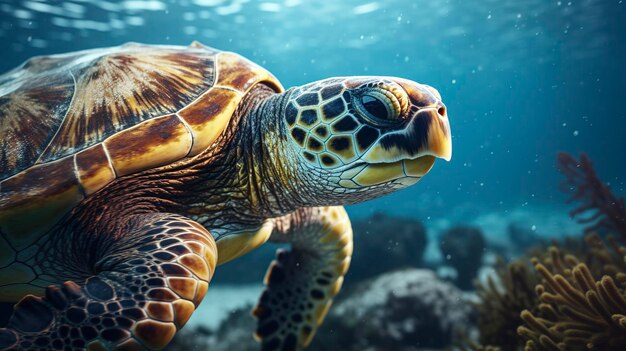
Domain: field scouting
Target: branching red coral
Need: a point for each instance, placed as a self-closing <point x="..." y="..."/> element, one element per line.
<point x="599" y="208"/>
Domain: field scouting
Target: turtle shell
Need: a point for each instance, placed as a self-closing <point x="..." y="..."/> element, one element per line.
<point x="71" y="123"/>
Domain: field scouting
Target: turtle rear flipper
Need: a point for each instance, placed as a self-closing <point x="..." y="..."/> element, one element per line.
<point x="148" y="284"/>
<point x="301" y="283"/>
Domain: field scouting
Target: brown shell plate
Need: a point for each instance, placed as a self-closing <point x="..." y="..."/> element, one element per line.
<point x="71" y="123"/>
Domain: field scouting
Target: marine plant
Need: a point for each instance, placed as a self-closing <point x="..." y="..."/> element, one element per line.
<point x="577" y="310"/>
<point x="598" y="207"/>
<point x="501" y="300"/>
<point x="579" y="300"/>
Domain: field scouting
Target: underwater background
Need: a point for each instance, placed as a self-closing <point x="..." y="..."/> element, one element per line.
<point x="522" y="81"/>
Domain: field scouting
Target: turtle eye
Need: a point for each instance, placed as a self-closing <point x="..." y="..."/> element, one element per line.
<point x="375" y="107"/>
<point x="378" y="108"/>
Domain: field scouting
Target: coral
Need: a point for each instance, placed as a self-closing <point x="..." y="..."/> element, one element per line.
<point x="463" y="248"/>
<point x="573" y="299"/>
<point x="502" y="299"/>
<point x="401" y="242"/>
<point x="576" y="311"/>
<point x="582" y="305"/>
<point x="579" y="300"/>
<point x="604" y="210"/>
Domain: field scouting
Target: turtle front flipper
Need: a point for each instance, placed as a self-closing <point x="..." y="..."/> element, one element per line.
<point x="146" y="286"/>
<point x="301" y="283"/>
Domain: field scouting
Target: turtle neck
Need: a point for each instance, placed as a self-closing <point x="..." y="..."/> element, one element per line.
<point x="254" y="176"/>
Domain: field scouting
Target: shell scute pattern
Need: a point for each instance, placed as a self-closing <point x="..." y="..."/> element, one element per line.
<point x="32" y="109"/>
<point x="55" y="106"/>
<point x="120" y="89"/>
<point x="95" y="115"/>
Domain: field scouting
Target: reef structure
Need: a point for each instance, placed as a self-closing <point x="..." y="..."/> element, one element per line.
<point x="572" y="295"/>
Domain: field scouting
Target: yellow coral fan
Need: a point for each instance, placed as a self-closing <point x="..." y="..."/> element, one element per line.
<point x="501" y="301"/>
<point x="576" y="312"/>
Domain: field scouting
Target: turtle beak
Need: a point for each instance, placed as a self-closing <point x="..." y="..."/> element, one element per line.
<point x="437" y="132"/>
<point x="426" y="133"/>
<point x="431" y="120"/>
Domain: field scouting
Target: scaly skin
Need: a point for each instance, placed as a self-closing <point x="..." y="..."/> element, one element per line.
<point x="282" y="160"/>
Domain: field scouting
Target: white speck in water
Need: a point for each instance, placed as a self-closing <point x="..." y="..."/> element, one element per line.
<point x="151" y="5"/>
<point x="190" y="30"/>
<point x="575" y="133"/>
<point x="75" y="8"/>
<point x="366" y="8"/>
<point x="269" y="7"/>
<point x="208" y="2"/>
<point x="209" y="33"/>
<point x="23" y="14"/>
<point x="38" y="43"/>
<point x="135" y="21"/>
<point x="117" y="24"/>
<point x="229" y="9"/>
<point x="292" y="3"/>
<point x="533" y="227"/>
<point x="454" y="81"/>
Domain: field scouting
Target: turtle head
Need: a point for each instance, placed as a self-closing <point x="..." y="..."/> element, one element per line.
<point x="364" y="137"/>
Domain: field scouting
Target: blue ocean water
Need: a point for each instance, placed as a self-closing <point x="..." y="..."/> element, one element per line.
<point x="522" y="79"/>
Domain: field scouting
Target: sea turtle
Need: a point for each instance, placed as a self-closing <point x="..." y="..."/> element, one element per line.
<point x="129" y="173"/>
